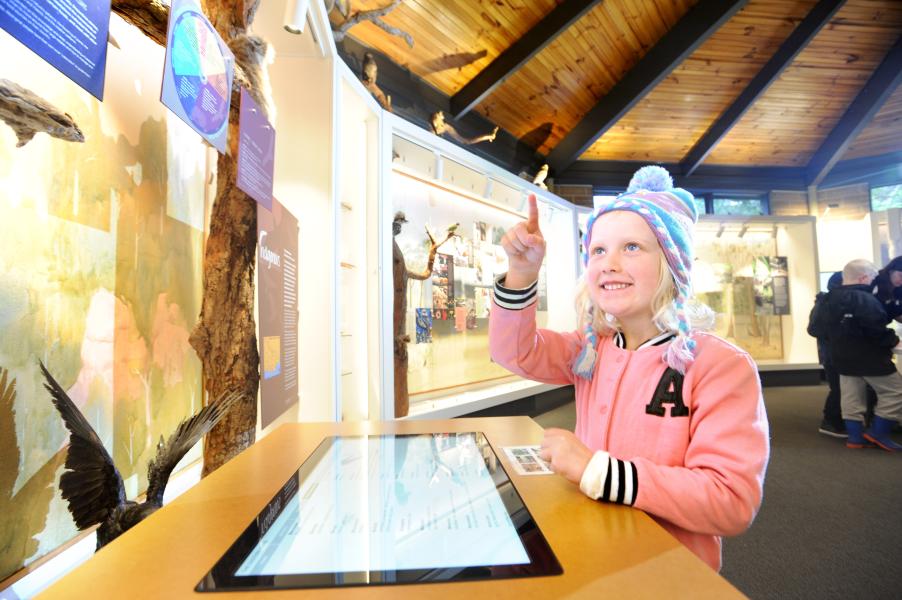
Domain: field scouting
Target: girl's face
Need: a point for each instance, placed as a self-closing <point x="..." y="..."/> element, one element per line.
<point x="624" y="266"/>
<point x="895" y="278"/>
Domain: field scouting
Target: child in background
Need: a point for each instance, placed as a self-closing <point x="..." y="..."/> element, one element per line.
<point x="669" y="420"/>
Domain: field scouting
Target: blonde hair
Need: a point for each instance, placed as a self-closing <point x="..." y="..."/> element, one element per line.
<point x="701" y="317"/>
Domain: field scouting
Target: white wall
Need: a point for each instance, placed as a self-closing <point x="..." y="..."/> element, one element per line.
<point x="840" y="241"/>
<point x="796" y="240"/>
<point x="302" y="90"/>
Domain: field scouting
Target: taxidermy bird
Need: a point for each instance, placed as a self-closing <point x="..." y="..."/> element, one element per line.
<point x="539" y="179"/>
<point x="93" y="486"/>
<point x="440" y="126"/>
<point x="368" y="75"/>
<point x="370" y="70"/>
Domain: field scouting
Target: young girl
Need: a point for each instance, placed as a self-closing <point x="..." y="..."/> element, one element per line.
<point x="669" y="420"/>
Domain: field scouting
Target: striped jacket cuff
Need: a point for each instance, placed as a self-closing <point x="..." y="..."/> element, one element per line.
<point x="608" y="479"/>
<point x="513" y="299"/>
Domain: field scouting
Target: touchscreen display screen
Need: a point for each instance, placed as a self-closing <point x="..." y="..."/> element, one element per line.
<point x="389" y="509"/>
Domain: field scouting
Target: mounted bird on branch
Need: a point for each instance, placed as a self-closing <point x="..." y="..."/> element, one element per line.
<point x="93" y="486"/>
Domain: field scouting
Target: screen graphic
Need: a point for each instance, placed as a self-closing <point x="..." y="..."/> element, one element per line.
<point x="390" y="503"/>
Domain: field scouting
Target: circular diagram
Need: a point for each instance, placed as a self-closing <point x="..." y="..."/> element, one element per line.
<point x="200" y="72"/>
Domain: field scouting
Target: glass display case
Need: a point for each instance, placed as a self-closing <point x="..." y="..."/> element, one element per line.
<point x="760" y="276"/>
<point x="447" y="312"/>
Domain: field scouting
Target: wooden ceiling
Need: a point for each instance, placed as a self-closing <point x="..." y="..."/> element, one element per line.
<point x="776" y="83"/>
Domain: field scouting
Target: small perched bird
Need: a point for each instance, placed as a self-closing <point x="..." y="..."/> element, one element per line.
<point x="370" y="70"/>
<point x="93" y="486"/>
<point x="539" y="179"/>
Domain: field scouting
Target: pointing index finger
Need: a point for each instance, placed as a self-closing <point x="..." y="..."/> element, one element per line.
<point x="532" y="224"/>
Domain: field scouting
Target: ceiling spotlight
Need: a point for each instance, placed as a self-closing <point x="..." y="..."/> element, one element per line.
<point x="296" y="15"/>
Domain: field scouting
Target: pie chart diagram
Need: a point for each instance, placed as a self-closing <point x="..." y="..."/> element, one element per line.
<point x="200" y="73"/>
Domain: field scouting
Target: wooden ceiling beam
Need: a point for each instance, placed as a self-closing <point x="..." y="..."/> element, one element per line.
<point x="819" y="16"/>
<point x="688" y="34"/>
<point x="867" y="103"/>
<point x="518" y="54"/>
<point x="615" y="176"/>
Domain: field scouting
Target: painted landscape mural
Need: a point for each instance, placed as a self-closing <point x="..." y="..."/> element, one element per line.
<point x="101" y="246"/>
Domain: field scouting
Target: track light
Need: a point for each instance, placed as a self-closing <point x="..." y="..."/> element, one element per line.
<point x="296" y="15"/>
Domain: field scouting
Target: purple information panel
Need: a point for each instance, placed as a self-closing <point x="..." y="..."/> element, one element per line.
<point x="256" y="152"/>
<point x="197" y="75"/>
<point x="71" y="36"/>
<point x="277" y="285"/>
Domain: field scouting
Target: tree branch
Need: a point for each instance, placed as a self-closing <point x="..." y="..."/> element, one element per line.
<point x="374" y="17"/>
<point x="28" y="114"/>
<point x="433" y="248"/>
<point x="150" y="16"/>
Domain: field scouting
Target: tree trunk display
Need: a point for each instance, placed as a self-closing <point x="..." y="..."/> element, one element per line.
<point x="400" y="276"/>
<point x="225" y="335"/>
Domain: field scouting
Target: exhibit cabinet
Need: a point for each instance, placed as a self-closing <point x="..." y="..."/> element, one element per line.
<point x="760" y="277"/>
<point x="438" y="185"/>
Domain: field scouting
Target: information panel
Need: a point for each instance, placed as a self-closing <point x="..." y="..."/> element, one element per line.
<point x="366" y="510"/>
<point x="256" y="152"/>
<point x="277" y="285"/>
<point x="71" y="36"/>
<point x="197" y="75"/>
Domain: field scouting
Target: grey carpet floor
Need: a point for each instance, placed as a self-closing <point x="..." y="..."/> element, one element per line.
<point x="830" y="525"/>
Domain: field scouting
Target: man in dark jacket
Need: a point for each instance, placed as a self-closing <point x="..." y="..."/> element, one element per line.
<point x="832" y="424"/>
<point x="861" y="346"/>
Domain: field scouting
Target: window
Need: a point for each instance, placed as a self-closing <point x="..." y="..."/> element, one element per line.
<point x="699" y="204"/>
<point x="740" y="206"/>
<point x="601" y="200"/>
<point x="886" y="197"/>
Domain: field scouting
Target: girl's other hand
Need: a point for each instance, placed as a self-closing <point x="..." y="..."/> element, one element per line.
<point x="565" y="453"/>
<point x="525" y="248"/>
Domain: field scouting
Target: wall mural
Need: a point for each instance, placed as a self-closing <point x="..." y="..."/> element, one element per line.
<point x="100" y="277"/>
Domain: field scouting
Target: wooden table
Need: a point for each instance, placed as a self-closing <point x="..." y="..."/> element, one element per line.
<point x="606" y="551"/>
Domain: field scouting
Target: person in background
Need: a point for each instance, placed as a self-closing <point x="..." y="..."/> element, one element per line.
<point x="854" y="323"/>
<point x="832" y="423"/>
<point x="669" y="420"/>
<point x="888" y="285"/>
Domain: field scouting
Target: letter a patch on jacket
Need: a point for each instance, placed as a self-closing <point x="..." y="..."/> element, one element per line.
<point x="669" y="391"/>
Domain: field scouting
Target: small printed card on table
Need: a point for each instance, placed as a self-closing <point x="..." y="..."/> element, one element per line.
<point x="526" y="460"/>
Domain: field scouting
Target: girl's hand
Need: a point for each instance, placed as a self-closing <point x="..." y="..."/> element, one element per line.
<point x="565" y="453"/>
<point x="525" y="248"/>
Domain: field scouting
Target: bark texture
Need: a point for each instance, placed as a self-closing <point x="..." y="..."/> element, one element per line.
<point x="225" y="336"/>
<point x="28" y="114"/>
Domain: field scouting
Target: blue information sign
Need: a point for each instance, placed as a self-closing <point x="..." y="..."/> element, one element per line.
<point x="71" y="35"/>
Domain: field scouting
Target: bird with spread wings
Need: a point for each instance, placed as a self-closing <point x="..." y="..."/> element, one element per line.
<point x="93" y="486"/>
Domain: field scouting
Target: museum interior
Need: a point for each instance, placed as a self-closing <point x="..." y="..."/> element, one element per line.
<point x="272" y="236"/>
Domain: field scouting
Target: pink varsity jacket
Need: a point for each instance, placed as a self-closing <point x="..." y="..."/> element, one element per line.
<point x="694" y="461"/>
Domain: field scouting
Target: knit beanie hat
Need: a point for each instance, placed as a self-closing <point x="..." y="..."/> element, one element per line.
<point x="671" y="214"/>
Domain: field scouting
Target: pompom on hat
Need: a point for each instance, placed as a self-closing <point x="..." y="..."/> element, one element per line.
<point x="671" y="214"/>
